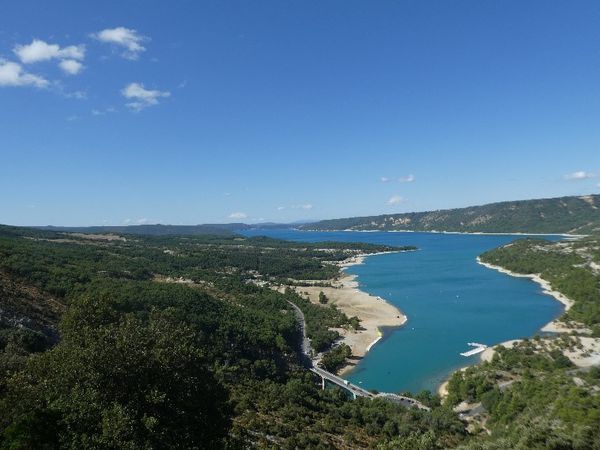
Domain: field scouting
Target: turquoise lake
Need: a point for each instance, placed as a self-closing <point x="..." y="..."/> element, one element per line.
<point x="449" y="300"/>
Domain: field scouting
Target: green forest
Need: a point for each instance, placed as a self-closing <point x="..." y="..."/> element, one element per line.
<point x="177" y="342"/>
<point x="155" y="342"/>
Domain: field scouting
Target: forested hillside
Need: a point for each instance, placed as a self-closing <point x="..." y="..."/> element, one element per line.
<point x="110" y="341"/>
<point x="174" y="342"/>
<point x="577" y="215"/>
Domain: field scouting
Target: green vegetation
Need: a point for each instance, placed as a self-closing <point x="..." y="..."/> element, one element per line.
<point x="322" y="298"/>
<point x="531" y="395"/>
<point x="336" y="358"/>
<point x="319" y="320"/>
<point x="180" y="342"/>
<point x="567" y="265"/>
<point x="176" y="342"/>
<point x="554" y="215"/>
<point x="533" y="398"/>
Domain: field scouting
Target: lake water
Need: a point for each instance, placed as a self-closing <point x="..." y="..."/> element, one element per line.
<point x="449" y="300"/>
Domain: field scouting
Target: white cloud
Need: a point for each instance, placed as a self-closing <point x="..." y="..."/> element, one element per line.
<point x="141" y="97"/>
<point x="39" y="50"/>
<point x="70" y="66"/>
<point x="306" y="206"/>
<point x="12" y="74"/>
<point x="395" y="200"/>
<point x="280" y="208"/>
<point x="123" y="37"/>
<point x="579" y="175"/>
<point x="238" y="215"/>
<point x="407" y="179"/>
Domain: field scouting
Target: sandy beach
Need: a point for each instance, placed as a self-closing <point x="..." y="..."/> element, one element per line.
<point x="374" y="312"/>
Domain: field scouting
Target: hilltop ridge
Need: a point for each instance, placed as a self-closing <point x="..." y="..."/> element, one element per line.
<point x="573" y="215"/>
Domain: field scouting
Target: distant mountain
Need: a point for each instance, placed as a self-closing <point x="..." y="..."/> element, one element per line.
<point x="166" y="230"/>
<point x="552" y="215"/>
<point x="153" y="230"/>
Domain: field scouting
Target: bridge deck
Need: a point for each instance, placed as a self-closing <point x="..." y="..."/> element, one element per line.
<point x="355" y="390"/>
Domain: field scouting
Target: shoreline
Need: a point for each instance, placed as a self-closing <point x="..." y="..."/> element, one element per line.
<point x="586" y="355"/>
<point x="554" y="326"/>
<point x="374" y="312"/>
<point x="470" y="233"/>
<point x="398" y="318"/>
<point x="544" y="284"/>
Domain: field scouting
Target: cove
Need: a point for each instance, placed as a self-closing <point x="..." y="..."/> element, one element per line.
<point x="449" y="299"/>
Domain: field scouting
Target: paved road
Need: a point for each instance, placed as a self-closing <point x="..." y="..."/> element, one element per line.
<point x="355" y="390"/>
<point x="306" y="350"/>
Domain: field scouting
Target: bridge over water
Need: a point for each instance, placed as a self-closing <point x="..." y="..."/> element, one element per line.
<point x="353" y="389"/>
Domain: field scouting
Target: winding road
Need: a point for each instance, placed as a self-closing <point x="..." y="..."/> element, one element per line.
<point x="355" y="390"/>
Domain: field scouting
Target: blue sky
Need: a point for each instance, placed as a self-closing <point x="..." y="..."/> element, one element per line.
<point x="188" y="112"/>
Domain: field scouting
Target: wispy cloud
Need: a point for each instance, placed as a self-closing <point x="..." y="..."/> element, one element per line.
<point x="79" y="95"/>
<point x="395" y="200"/>
<point x="12" y="74"/>
<point x="406" y="179"/>
<point x="304" y="206"/>
<point x="125" y="38"/>
<point x="579" y="175"/>
<point x="238" y="215"/>
<point x="103" y="112"/>
<point x="40" y="50"/>
<point x="142" y="221"/>
<point x="141" y="97"/>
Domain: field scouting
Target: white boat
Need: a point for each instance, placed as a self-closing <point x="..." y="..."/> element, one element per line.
<point x="478" y="349"/>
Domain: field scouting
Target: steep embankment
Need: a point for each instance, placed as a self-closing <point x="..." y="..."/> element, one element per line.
<point x="26" y="307"/>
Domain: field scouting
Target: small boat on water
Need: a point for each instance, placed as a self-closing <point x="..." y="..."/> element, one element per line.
<point x="478" y="349"/>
